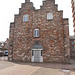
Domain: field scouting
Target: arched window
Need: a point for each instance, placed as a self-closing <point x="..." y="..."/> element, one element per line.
<point x="36" y="32"/>
<point x="49" y="16"/>
<point x="25" y="18"/>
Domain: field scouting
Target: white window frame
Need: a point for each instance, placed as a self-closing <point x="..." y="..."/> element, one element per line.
<point x="49" y="16"/>
<point x="36" y="32"/>
<point x="26" y="18"/>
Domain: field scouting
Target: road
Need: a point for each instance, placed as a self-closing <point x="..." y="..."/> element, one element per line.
<point x="22" y="68"/>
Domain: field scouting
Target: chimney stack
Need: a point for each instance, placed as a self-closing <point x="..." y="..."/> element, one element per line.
<point x="27" y="0"/>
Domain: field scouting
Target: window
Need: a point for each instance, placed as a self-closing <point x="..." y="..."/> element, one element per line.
<point x="49" y="16"/>
<point x="36" y="32"/>
<point x="41" y="52"/>
<point x="72" y="47"/>
<point x="32" y="53"/>
<point x="25" y="18"/>
<point x="73" y="53"/>
<point x="72" y="42"/>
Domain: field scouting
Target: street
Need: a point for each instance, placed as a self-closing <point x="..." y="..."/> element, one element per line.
<point x="22" y="68"/>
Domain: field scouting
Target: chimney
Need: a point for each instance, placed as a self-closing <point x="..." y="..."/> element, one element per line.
<point x="27" y="0"/>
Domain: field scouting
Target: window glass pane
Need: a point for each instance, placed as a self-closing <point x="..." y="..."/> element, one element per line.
<point x="49" y="16"/>
<point x="72" y="47"/>
<point x="34" y="33"/>
<point x="32" y="53"/>
<point x="25" y="18"/>
<point x="73" y="53"/>
<point x="38" y="33"/>
<point x="72" y="42"/>
<point x="41" y="53"/>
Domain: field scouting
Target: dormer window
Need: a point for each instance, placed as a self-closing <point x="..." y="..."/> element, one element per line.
<point x="49" y="16"/>
<point x="36" y="32"/>
<point x="26" y="18"/>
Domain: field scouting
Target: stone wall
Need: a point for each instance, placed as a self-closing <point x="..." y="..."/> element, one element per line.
<point x="11" y="38"/>
<point x="54" y="34"/>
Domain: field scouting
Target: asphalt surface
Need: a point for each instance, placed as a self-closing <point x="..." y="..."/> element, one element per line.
<point x="22" y="68"/>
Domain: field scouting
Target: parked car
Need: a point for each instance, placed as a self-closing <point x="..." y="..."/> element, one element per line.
<point x="6" y="53"/>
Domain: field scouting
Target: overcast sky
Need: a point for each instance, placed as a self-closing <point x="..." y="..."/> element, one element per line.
<point x="10" y="7"/>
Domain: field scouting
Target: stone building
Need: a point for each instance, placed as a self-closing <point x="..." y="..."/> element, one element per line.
<point x="39" y="35"/>
<point x="72" y="48"/>
<point x="72" y="38"/>
<point x="73" y="11"/>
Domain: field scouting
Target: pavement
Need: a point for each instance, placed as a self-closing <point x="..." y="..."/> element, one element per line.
<point x="22" y="68"/>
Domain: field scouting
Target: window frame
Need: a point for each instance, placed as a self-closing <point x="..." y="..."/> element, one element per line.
<point x="49" y="16"/>
<point x="37" y="34"/>
<point x="32" y="52"/>
<point x="26" y="18"/>
<point x="41" y="52"/>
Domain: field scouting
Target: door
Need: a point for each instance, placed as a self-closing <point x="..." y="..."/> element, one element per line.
<point x="37" y="55"/>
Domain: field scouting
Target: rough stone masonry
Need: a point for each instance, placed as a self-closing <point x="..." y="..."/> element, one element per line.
<point x="53" y="40"/>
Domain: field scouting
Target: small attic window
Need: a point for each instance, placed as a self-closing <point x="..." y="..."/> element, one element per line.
<point x="26" y="18"/>
<point x="49" y="16"/>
